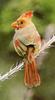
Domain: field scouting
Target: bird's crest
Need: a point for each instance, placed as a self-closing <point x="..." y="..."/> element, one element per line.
<point x="27" y="14"/>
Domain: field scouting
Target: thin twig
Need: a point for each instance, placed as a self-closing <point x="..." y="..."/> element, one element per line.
<point x="20" y="66"/>
<point x="11" y="71"/>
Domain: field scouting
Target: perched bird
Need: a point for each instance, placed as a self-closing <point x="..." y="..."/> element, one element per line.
<point x="27" y="43"/>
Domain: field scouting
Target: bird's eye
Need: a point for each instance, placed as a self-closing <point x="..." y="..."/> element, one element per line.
<point x="21" y="22"/>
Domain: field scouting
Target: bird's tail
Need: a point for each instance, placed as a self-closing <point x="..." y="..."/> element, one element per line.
<point x="31" y="75"/>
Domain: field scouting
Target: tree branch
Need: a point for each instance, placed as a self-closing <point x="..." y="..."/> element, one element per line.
<point x="20" y="66"/>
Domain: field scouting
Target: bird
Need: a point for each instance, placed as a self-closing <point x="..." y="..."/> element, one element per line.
<point x="27" y="43"/>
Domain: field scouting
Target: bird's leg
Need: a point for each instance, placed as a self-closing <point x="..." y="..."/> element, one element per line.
<point x="31" y="77"/>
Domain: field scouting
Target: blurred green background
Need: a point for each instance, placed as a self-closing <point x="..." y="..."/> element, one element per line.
<point x="44" y="14"/>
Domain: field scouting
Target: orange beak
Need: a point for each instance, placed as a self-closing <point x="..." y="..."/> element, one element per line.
<point x="14" y="25"/>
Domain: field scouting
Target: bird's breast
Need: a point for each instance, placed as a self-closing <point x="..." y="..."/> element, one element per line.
<point x="24" y="37"/>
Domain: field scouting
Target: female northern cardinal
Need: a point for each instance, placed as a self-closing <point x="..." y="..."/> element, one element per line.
<point x="27" y="43"/>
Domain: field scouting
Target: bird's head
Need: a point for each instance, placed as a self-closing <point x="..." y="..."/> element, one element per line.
<point x="22" y="21"/>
